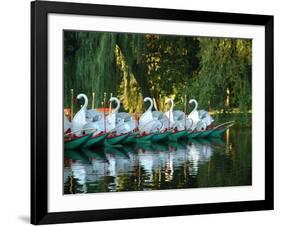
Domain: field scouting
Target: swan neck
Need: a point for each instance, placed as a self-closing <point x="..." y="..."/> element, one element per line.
<point x="118" y="105"/>
<point x="151" y="104"/>
<point x="172" y="105"/>
<point x="85" y="105"/>
<point x="196" y="105"/>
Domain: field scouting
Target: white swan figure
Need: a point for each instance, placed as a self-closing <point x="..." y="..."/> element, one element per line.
<point x="111" y="118"/>
<point x="205" y="117"/>
<point x="181" y="121"/>
<point x="123" y="121"/>
<point x="147" y="115"/>
<point x="161" y="116"/>
<point x="169" y="113"/>
<point x="201" y="119"/>
<point x="79" y="119"/>
<point x="119" y="122"/>
<point x="194" y="115"/>
<point x="147" y="123"/>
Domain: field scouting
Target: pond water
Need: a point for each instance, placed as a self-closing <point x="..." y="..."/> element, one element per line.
<point x="224" y="161"/>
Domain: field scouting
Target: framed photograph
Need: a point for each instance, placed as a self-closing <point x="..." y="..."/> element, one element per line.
<point x="145" y="112"/>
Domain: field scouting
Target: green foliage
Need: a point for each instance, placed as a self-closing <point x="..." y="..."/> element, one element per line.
<point x="225" y="70"/>
<point x="215" y="71"/>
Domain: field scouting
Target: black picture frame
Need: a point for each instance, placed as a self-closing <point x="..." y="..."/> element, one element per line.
<point x="39" y="112"/>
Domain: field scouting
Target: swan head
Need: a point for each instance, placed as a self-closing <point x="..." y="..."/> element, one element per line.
<point x="192" y="101"/>
<point x="118" y="103"/>
<point x="81" y="95"/>
<point x="114" y="99"/>
<point x="147" y="99"/>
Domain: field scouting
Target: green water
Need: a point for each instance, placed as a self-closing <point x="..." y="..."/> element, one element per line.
<point x="225" y="161"/>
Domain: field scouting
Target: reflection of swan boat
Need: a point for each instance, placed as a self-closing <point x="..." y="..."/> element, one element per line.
<point x="75" y="155"/>
<point x="117" y="152"/>
<point x="198" y="154"/>
<point x="144" y="147"/>
<point x="95" y="154"/>
<point x="160" y="147"/>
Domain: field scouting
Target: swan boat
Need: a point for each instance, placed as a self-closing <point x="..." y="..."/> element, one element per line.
<point x="76" y="142"/>
<point x="89" y="126"/>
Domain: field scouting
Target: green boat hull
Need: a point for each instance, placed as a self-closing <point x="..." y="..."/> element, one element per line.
<point x="186" y="135"/>
<point x="217" y="133"/>
<point x="116" y="140"/>
<point x="77" y="143"/>
<point x="205" y="133"/>
<point x="193" y="135"/>
<point x="95" y="141"/>
<point x="160" y="136"/>
<point x="130" y="139"/>
<point x="176" y="135"/>
<point x="145" y="138"/>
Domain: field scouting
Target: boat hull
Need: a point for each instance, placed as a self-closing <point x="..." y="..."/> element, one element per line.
<point x="77" y="142"/>
<point x="217" y="133"/>
<point x="160" y="136"/>
<point x="95" y="141"/>
<point x="205" y="133"/>
<point x="116" y="140"/>
<point x="145" y="138"/>
<point x="130" y="139"/>
<point x="176" y="135"/>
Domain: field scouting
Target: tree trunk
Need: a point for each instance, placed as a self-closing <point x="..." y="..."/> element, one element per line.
<point x="139" y="73"/>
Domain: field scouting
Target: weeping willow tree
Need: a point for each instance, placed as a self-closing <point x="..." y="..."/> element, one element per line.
<point x="92" y="64"/>
<point x="89" y="64"/>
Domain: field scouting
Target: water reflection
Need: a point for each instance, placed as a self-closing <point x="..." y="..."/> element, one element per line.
<point x="185" y="164"/>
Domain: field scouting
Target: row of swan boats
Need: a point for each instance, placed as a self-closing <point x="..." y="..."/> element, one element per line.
<point x="91" y="128"/>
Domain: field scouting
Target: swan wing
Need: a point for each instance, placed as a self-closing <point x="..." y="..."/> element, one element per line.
<point x="194" y="116"/>
<point x="150" y="126"/>
<point x="93" y="115"/>
<point x="110" y="121"/>
<point x="178" y="115"/>
<point x="145" y="118"/>
<point x="170" y="117"/>
<point x="91" y="127"/>
<point x="79" y="121"/>
<point x="202" y="113"/>
<point x="157" y="115"/>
